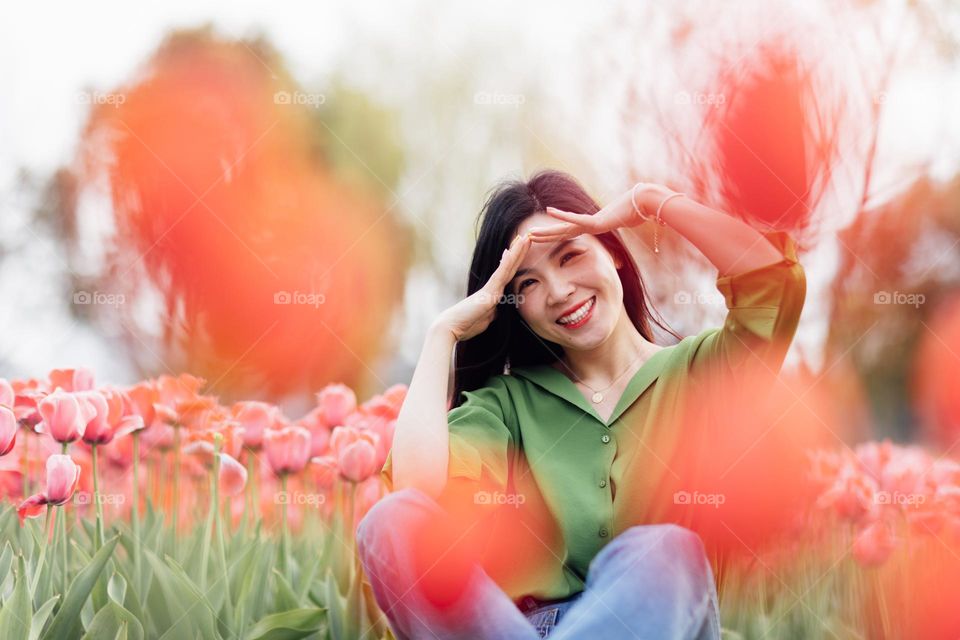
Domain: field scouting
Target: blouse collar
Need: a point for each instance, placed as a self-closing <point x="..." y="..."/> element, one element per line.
<point x="554" y="381"/>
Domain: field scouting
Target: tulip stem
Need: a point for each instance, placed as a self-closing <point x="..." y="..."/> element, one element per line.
<point x="61" y="525"/>
<point x="284" y="533"/>
<point x="43" y="552"/>
<point x="218" y="523"/>
<point x="98" y="536"/>
<point x="137" y="567"/>
<point x="176" y="484"/>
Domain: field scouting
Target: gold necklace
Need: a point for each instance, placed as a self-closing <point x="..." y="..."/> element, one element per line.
<point x="597" y="396"/>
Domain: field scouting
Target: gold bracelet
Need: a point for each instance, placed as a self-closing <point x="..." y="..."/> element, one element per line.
<point x="656" y="228"/>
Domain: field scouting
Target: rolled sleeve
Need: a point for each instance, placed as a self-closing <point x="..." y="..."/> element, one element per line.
<point x="481" y="441"/>
<point x="763" y="311"/>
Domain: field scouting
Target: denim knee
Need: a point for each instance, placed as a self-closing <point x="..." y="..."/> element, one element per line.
<point x="389" y="511"/>
<point x="667" y="540"/>
<point x="667" y="536"/>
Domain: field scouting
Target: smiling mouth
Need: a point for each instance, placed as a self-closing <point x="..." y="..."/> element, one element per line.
<point x="578" y="315"/>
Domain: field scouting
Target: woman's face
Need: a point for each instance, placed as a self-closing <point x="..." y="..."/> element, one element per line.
<point x="569" y="291"/>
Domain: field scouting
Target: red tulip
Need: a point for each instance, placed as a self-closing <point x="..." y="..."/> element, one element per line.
<point x="63" y="475"/>
<point x="63" y="416"/>
<point x="8" y="429"/>
<point x="288" y="449"/>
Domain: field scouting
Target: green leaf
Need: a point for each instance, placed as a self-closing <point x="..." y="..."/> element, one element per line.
<point x="288" y="625"/>
<point x="285" y="597"/>
<point x="40" y="617"/>
<point x="189" y="609"/>
<point x="113" y="620"/>
<point x="67" y="621"/>
<point x="117" y="588"/>
<point x="17" y="612"/>
<point x="6" y="561"/>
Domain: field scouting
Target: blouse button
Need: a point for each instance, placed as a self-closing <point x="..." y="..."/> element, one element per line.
<point x="605" y="438"/>
<point x="603" y="483"/>
<point x="603" y="532"/>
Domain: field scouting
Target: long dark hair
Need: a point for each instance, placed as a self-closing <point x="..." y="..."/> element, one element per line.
<point x="509" y="338"/>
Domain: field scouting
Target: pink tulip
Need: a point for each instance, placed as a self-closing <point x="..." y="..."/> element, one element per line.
<point x="324" y="469"/>
<point x="288" y="449"/>
<point x="7" y="395"/>
<point x="232" y="476"/>
<point x="8" y="429"/>
<point x="63" y="417"/>
<point x="358" y="460"/>
<point x="874" y="544"/>
<point x="255" y="417"/>
<point x="63" y="475"/>
<point x="113" y="416"/>
<point x="71" y="379"/>
<point x="337" y="402"/>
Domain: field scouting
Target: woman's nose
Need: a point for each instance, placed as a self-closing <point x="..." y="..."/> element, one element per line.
<point x="558" y="292"/>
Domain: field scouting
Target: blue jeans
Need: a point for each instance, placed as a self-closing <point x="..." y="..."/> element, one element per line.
<point x="651" y="581"/>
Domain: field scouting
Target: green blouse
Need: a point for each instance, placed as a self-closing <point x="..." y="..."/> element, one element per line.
<point x="532" y="433"/>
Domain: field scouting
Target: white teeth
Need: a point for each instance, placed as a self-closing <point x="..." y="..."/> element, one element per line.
<point x="578" y="315"/>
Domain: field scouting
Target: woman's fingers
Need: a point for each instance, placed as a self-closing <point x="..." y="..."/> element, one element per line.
<point x="509" y="262"/>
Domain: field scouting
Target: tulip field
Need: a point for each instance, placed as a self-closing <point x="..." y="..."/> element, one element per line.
<point x="153" y="511"/>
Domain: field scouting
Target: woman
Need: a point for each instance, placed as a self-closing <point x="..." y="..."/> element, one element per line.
<point x="561" y="397"/>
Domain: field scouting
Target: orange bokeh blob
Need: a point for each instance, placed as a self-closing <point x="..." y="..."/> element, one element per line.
<point x="936" y="383"/>
<point x="276" y="275"/>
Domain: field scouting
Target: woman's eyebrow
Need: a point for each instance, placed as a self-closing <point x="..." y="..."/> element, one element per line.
<point x="557" y="249"/>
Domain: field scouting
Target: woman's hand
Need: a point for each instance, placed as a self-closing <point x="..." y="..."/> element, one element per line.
<point x="619" y="213"/>
<point x="472" y="315"/>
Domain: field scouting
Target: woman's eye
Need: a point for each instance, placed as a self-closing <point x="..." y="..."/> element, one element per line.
<point x="568" y="255"/>
<point x="525" y="283"/>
